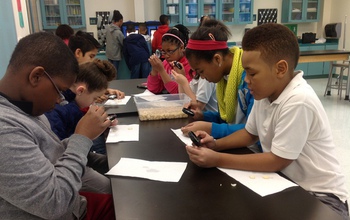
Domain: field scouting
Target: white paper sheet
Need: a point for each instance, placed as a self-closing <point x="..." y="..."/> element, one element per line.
<point x="263" y="183"/>
<point x="123" y="133"/>
<point x="153" y="170"/>
<point x="182" y="137"/>
<point x="123" y="101"/>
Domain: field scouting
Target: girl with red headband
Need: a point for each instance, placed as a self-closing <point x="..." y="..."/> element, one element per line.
<point x="173" y="49"/>
<point x="208" y="54"/>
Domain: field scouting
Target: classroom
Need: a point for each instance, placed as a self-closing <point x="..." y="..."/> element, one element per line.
<point x="199" y="193"/>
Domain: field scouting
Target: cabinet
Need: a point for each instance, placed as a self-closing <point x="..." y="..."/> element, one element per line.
<point x="299" y="11"/>
<point x="189" y="12"/>
<point x="173" y="9"/>
<point x="193" y="10"/>
<point x="56" y="12"/>
<point x="315" y="69"/>
<point x="236" y="11"/>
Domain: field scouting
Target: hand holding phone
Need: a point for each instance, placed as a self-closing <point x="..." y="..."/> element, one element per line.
<point x="158" y="53"/>
<point x="112" y="117"/>
<point x="188" y="111"/>
<point x="112" y="96"/>
<point x="195" y="139"/>
<point x="178" y="65"/>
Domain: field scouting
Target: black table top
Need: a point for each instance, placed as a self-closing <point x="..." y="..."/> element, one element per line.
<point x="201" y="193"/>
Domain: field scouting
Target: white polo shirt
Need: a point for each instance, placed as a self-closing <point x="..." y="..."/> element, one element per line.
<point x="295" y="126"/>
<point x="205" y="92"/>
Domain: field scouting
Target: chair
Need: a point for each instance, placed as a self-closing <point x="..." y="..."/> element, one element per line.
<point x="338" y="84"/>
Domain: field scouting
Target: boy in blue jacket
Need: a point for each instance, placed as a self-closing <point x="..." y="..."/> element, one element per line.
<point x="136" y="53"/>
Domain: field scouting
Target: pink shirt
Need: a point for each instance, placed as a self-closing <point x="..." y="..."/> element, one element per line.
<point x="155" y="83"/>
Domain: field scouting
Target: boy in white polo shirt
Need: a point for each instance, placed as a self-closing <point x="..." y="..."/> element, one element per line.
<point x="287" y="118"/>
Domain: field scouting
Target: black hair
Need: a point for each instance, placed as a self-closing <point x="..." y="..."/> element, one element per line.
<point x="209" y="29"/>
<point x="274" y="41"/>
<point x="64" y="31"/>
<point x="96" y="74"/>
<point x="46" y="50"/>
<point x="180" y="31"/>
<point x="84" y="41"/>
<point x="130" y="27"/>
<point x="117" y="16"/>
<point x="142" y="26"/>
<point x="163" y="19"/>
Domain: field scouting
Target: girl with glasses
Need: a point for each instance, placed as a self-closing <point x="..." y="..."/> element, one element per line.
<point x="173" y="49"/>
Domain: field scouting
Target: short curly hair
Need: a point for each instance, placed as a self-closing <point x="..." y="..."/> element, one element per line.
<point x="274" y="41"/>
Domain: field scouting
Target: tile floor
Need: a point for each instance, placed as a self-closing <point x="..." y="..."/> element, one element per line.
<point x="338" y="112"/>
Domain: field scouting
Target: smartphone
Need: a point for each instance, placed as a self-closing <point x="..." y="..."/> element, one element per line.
<point x="178" y="65"/>
<point x="195" y="139"/>
<point x="188" y="111"/>
<point x="142" y="86"/>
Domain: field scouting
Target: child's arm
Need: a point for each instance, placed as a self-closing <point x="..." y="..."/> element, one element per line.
<point x="207" y="157"/>
<point x="183" y="85"/>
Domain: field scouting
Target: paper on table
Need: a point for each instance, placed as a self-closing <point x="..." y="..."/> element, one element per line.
<point x="182" y="137"/>
<point x="153" y="170"/>
<point x="123" y="133"/>
<point x="145" y="93"/>
<point x="263" y="183"/>
<point x="122" y="101"/>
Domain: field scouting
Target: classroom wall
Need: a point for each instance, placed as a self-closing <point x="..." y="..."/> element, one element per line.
<point x="10" y="30"/>
<point x="338" y="10"/>
<point x="146" y="10"/>
<point x="132" y="10"/>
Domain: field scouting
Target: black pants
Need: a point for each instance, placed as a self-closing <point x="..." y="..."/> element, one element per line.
<point x="98" y="162"/>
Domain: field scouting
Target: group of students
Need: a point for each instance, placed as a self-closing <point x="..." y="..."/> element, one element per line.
<point x="287" y="119"/>
<point x="135" y="48"/>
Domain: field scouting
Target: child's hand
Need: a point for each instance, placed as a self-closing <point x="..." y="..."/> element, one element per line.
<point x="120" y="94"/>
<point x="93" y="123"/>
<point x="197" y="126"/>
<point x="198" y="113"/>
<point x="103" y="98"/>
<point x="203" y="156"/>
<point x="179" y="77"/>
<point x="156" y="63"/>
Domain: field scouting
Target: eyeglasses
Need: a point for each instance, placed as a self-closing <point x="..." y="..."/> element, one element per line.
<point x="170" y="52"/>
<point x="62" y="98"/>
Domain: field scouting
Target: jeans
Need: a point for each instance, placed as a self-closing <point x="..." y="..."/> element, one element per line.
<point x="99" y="145"/>
<point x="115" y="64"/>
<point x="140" y="70"/>
<point x="93" y="179"/>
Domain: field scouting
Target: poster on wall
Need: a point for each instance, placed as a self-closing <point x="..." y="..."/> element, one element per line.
<point x="103" y="20"/>
<point x="267" y="16"/>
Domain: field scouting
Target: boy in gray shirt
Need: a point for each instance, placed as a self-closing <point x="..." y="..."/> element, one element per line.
<point x="40" y="176"/>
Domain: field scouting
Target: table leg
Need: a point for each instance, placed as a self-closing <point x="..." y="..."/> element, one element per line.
<point x="347" y="84"/>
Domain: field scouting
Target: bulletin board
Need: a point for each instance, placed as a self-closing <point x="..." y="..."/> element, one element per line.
<point x="267" y="16"/>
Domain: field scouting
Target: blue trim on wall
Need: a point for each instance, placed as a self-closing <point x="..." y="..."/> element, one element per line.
<point x="8" y="34"/>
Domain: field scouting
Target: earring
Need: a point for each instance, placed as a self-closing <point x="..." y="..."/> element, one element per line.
<point x="219" y="64"/>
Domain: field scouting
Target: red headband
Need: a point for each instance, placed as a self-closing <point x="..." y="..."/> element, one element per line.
<point x="206" y="45"/>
